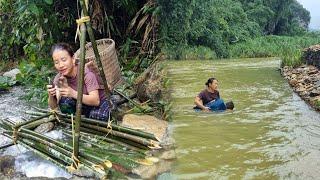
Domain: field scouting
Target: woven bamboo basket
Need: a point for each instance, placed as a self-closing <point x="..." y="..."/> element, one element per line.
<point x="109" y="60"/>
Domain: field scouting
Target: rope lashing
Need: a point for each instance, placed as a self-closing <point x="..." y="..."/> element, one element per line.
<point x="55" y="114"/>
<point x="80" y="21"/>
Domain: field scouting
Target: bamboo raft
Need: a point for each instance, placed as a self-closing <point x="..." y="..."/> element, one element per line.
<point x="98" y="147"/>
<point x="104" y="148"/>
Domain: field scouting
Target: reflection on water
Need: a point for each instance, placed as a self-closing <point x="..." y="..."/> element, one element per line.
<point x="271" y="134"/>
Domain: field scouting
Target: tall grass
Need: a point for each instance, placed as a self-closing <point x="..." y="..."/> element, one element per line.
<point x="288" y="48"/>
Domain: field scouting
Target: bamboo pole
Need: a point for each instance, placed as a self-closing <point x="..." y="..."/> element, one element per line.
<point x="96" y="52"/>
<point x="133" y="138"/>
<point x="37" y="123"/>
<point x="65" y="146"/>
<point x="48" y="150"/>
<point x="76" y="130"/>
<point x="56" y="151"/>
<point x="114" y="127"/>
<point x="27" y="122"/>
<point x="43" y="155"/>
<point x="109" y="151"/>
<point x="6" y="145"/>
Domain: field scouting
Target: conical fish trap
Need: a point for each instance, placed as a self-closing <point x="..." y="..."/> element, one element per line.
<point x="109" y="60"/>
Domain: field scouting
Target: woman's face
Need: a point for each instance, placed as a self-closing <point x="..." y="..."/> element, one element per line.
<point x="63" y="62"/>
<point x="214" y="85"/>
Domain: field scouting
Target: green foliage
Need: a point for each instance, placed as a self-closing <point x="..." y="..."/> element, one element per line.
<point x="34" y="76"/>
<point x="27" y="28"/>
<point x="6" y="82"/>
<point x="317" y="103"/>
<point x="267" y="46"/>
<point x="219" y="24"/>
<point x="288" y="48"/>
<point x="291" y="57"/>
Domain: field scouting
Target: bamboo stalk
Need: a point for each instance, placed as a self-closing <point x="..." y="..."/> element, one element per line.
<point x="6" y="124"/>
<point x="115" y="127"/>
<point x="96" y="52"/>
<point x="35" y="113"/>
<point x="6" y="145"/>
<point x="130" y="100"/>
<point x="30" y="121"/>
<point x="102" y="137"/>
<point x="108" y="151"/>
<point x="43" y="155"/>
<point x="119" y="128"/>
<point x="122" y="142"/>
<point x="117" y="133"/>
<point x="66" y="146"/>
<point x="45" y="149"/>
<point x="76" y="130"/>
<point x="125" y="99"/>
<point x="37" y="123"/>
<point x="56" y="151"/>
<point x="52" y="152"/>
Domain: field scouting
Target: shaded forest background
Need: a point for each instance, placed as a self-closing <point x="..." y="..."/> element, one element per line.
<point x="144" y="28"/>
<point x="148" y="30"/>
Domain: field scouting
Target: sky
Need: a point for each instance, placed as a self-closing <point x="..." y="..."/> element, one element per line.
<point x="313" y="7"/>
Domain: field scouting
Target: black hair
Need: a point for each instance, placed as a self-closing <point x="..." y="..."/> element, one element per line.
<point x="210" y="80"/>
<point x="62" y="46"/>
<point x="230" y="105"/>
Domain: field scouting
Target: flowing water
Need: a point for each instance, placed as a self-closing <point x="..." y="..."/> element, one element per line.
<point x="271" y="134"/>
<point x="26" y="162"/>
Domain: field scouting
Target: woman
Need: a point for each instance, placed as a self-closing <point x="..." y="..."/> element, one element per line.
<point x="63" y="91"/>
<point x="209" y="99"/>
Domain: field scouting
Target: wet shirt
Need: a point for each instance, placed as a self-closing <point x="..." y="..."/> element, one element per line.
<point x="90" y="83"/>
<point x="207" y="96"/>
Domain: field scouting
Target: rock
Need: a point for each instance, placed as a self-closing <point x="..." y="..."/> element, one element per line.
<point x="12" y="73"/>
<point x="7" y="165"/>
<point x="317" y="83"/>
<point x="305" y="82"/>
<point x="301" y="89"/>
<point x="314" y="93"/>
<point x="293" y="82"/>
<point x="168" y="155"/>
<point x="149" y="85"/>
<point x="150" y="172"/>
<point x="311" y="55"/>
<point x="45" y="127"/>
<point x="146" y="123"/>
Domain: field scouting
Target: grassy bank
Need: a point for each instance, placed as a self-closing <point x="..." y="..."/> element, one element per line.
<point x="288" y="48"/>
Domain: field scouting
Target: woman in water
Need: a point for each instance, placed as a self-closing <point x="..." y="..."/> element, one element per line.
<point x="209" y="99"/>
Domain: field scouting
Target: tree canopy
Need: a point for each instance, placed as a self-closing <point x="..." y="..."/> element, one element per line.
<point x="218" y="23"/>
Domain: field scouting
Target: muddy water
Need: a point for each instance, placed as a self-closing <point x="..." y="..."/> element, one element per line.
<point x="271" y="134"/>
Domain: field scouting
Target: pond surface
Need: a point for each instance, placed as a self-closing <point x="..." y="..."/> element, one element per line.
<point x="271" y="134"/>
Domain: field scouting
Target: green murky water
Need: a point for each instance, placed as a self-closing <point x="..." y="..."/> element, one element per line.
<point x="272" y="133"/>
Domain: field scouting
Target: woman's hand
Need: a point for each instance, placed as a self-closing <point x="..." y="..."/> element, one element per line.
<point x="206" y="109"/>
<point x="68" y="92"/>
<point x="51" y="90"/>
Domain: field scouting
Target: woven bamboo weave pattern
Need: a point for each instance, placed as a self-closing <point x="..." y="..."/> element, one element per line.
<point x="109" y="60"/>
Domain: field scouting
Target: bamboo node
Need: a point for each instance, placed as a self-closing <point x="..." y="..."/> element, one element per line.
<point x="15" y="136"/>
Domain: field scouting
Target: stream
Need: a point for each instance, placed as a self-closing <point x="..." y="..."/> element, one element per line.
<point x="271" y="134"/>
